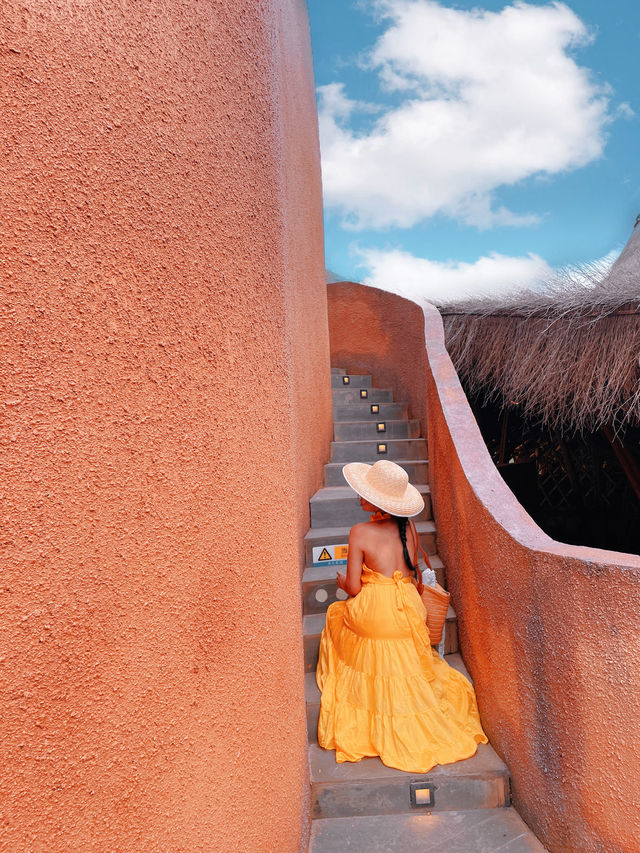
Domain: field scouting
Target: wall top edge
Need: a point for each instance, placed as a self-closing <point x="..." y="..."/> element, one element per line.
<point x="479" y="469"/>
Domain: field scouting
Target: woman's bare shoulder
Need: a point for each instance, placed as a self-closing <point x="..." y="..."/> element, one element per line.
<point x="366" y="532"/>
<point x="359" y="531"/>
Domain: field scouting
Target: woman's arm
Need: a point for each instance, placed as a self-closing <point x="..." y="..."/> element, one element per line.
<point x="413" y="553"/>
<point x="351" y="583"/>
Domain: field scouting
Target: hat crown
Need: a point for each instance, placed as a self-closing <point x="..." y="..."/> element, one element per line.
<point x="385" y="485"/>
<point x="386" y="476"/>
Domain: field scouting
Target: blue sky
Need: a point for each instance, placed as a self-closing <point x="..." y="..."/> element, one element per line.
<point x="473" y="148"/>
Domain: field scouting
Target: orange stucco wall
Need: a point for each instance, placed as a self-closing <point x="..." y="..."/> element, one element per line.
<point x="372" y="331"/>
<point x="549" y="633"/>
<point x="165" y="417"/>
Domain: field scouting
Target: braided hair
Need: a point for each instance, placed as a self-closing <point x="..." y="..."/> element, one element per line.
<point x="402" y="530"/>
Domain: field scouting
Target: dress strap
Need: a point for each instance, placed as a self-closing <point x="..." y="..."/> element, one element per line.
<point x="414" y="530"/>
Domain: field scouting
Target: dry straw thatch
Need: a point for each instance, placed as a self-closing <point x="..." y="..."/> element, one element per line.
<point x="567" y="356"/>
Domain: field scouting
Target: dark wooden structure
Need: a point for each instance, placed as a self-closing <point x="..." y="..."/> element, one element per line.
<point x="554" y="380"/>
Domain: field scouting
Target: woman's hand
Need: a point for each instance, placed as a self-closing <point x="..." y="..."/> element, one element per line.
<point x="341" y="580"/>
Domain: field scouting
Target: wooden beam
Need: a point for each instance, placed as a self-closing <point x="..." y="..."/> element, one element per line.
<point x="504" y="429"/>
<point x="625" y="458"/>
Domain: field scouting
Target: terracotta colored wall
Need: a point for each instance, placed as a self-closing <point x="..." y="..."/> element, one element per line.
<point x="159" y="201"/>
<point x="372" y="331"/>
<point x="549" y="633"/>
<point x="303" y="255"/>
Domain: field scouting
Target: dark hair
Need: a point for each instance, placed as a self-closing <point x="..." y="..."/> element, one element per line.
<point x="402" y="530"/>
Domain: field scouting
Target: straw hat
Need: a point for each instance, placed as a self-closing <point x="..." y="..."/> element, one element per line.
<point x="385" y="485"/>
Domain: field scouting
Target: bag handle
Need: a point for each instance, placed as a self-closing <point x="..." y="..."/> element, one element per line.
<point x="412" y="525"/>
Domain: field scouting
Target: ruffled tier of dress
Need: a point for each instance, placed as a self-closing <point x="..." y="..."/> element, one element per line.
<point x="385" y="690"/>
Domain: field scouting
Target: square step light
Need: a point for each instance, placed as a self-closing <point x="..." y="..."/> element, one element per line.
<point x="346" y="380"/>
<point x="363" y="393"/>
<point x="375" y="409"/>
<point x="382" y="448"/>
<point x="422" y="794"/>
<point x="381" y="426"/>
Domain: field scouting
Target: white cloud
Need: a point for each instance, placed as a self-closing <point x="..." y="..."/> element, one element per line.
<point x="625" y="110"/>
<point x="420" y="278"/>
<point x="334" y="101"/>
<point x="486" y="100"/>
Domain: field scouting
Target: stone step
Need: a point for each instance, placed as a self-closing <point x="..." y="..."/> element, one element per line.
<point x="361" y="411"/>
<point x="319" y="588"/>
<point x="368" y="787"/>
<point x="470" y="831"/>
<point x="378" y="429"/>
<point x="348" y="395"/>
<point x="322" y="536"/>
<point x="313" y="623"/>
<point x="363" y="451"/>
<point x="350" y="380"/>
<point x="417" y="469"/>
<point x="332" y="506"/>
<point x="338" y="371"/>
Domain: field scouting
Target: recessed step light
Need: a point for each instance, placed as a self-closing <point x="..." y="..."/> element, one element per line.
<point x="422" y="794"/>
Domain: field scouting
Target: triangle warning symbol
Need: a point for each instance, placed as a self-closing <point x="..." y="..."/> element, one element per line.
<point x="325" y="555"/>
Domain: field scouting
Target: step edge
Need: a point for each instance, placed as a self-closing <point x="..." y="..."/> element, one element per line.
<point x="373" y="440"/>
<point x="349" y="494"/>
<point x="434" y="559"/>
<point x="421" y="461"/>
<point x="364" y="402"/>
<point x="386" y="420"/>
<point x="341" y="531"/>
<point x="495" y="774"/>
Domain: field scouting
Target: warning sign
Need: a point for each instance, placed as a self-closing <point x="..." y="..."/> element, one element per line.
<point x="330" y="555"/>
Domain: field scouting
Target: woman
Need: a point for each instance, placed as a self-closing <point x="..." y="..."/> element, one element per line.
<point x="385" y="690"/>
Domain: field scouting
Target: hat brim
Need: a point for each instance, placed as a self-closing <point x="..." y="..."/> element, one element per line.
<point x="411" y="503"/>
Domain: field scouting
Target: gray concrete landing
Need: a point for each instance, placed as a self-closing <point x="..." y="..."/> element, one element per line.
<point x="474" y="831"/>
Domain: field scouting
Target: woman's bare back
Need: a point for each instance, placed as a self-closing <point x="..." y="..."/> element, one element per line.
<point x="377" y="544"/>
<point x="382" y="547"/>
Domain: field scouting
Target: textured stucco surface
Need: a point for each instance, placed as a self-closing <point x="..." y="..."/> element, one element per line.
<point x="165" y="416"/>
<point x="549" y="633"/>
<point x="372" y="331"/>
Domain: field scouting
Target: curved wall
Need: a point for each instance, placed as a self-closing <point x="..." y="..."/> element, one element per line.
<point x="165" y="350"/>
<point x="372" y="331"/>
<point x="548" y="631"/>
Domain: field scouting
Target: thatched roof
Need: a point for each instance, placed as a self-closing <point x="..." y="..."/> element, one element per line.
<point x="567" y="355"/>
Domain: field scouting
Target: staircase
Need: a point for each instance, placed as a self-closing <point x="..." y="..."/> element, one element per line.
<point x="366" y="807"/>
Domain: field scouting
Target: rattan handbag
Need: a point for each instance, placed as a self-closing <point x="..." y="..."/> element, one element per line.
<point x="434" y="598"/>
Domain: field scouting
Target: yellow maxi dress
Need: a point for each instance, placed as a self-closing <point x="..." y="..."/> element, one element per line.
<point x="385" y="690"/>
